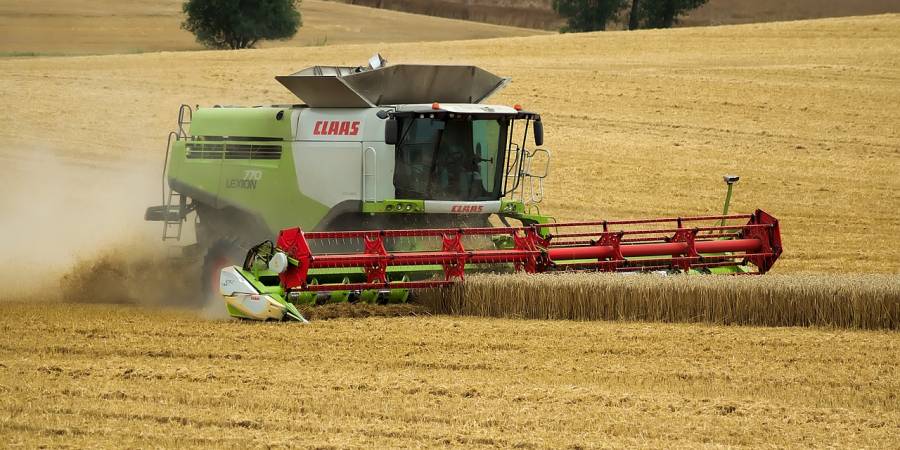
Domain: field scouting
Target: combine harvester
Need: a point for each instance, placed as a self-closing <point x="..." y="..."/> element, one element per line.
<point x="406" y="180"/>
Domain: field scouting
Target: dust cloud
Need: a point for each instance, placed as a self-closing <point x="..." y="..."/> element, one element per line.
<point x="73" y="230"/>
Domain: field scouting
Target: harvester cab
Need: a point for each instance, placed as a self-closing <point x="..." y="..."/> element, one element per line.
<point x="394" y="172"/>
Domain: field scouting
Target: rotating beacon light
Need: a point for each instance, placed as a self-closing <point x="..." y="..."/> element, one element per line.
<point x="730" y="180"/>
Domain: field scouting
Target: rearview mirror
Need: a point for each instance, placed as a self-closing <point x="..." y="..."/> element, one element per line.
<point x="538" y="133"/>
<point x="391" y="132"/>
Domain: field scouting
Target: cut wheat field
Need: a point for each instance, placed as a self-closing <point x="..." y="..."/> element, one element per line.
<point x="113" y="376"/>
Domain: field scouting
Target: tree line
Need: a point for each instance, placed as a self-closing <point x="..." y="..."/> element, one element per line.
<point x="596" y="15"/>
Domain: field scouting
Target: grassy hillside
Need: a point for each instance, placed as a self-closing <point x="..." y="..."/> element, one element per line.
<point x="521" y="13"/>
<point x="724" y="12"/>
<point x="55" y="27"/>
<point x="640" y="123"/>
<point x="540" y="14"/>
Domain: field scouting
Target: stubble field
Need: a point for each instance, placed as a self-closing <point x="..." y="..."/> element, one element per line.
<point x="640" y="123"/>
<point x="125" y="377"/>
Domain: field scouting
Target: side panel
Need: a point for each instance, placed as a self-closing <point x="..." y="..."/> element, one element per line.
<point x="329" y="172"/>
<point x="269" y="189"/>
<point x="340" y="155"/>
<point x="242" y="158"/>
<point x="340" y="124"/>
<point x="196" y="177"/>
<point x="241" y="122"/>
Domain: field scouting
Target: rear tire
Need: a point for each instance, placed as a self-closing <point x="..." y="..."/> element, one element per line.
<point x="221" y="254"/>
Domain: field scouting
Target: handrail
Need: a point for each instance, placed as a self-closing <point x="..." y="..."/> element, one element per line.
<point x="166" y="164"/>
<point x="369" y="193"/>
<point x="182" y="122"/>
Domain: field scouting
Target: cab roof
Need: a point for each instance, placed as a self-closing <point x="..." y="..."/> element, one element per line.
<point x="459" y="108"/>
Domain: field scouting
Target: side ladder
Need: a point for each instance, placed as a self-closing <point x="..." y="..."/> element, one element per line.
<point x="174" y="208"/>
<point x="174" y="221"/>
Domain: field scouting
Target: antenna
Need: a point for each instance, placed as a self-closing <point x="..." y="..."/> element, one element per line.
<point x="730" y="180"/>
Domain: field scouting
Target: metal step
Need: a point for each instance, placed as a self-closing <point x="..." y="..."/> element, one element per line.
<point x="172" y="226"/>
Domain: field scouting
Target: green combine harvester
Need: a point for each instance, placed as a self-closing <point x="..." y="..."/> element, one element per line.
<point x="402" y="178"/>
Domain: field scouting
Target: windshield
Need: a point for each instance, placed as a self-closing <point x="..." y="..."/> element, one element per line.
<point x="450" y="160"/>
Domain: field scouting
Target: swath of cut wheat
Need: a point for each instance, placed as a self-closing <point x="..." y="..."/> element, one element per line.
<point x="845" y="301"/>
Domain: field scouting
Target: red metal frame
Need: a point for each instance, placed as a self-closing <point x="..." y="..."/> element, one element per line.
<point x="657" y="244"/>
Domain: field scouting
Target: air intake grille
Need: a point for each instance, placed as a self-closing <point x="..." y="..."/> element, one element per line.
<point x="202" y="148"/>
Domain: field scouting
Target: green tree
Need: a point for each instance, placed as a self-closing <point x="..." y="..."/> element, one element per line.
<point x="238" y="24"/>
<point x="664" y="13"/>
<point x="588" y="15"/>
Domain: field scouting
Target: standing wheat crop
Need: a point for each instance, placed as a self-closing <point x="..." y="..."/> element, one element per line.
<point x="844" y="301"/>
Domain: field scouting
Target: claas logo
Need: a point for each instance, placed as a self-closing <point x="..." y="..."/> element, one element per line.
<point x="336" y="128"/>
<point x="467" y="208"/>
